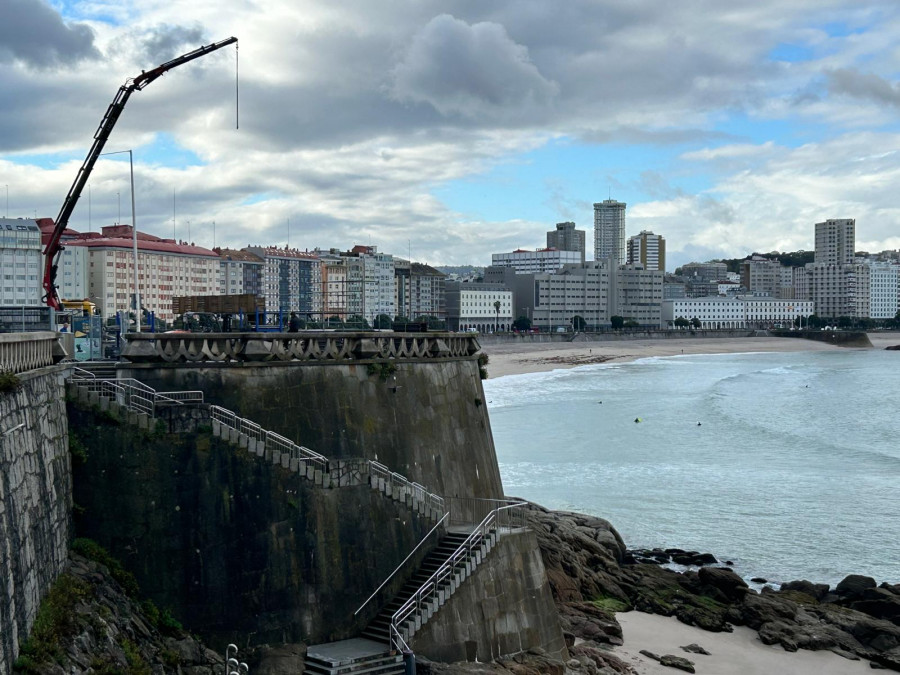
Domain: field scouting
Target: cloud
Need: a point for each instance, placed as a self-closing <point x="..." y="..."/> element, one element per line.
<point x="33" y="33"/>
<point x="163" y="43"/>
<point x="471" y="71"/>
<point x="868" y="86"/>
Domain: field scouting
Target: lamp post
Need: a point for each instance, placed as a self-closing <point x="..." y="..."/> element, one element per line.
<point x="137" y="292"/>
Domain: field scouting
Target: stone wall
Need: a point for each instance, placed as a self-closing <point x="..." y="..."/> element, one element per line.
<point x="425" y="420"/>
<point x="504" y="608"/>
<point x="35" y="501"/>
<point x="238" y="549"/>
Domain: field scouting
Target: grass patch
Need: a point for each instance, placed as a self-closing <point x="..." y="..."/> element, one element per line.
<point x="94" y="551"/>
<point x="8" y="381"/>
<point x="611" y="604"/>
<point x="382" y="370"/>
<point x="56" y="619"/>
<point x="77" y="449"/>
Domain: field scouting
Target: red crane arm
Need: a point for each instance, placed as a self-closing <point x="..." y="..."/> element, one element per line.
<point x="53" y="248"/>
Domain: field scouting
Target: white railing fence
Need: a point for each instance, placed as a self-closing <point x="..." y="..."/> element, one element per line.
<point x="26" y="351"/>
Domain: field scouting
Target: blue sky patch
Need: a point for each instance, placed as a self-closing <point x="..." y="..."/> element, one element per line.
<point x="166" y="151"/>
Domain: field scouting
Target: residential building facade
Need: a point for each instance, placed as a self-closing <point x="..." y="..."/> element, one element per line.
<point x="609" y="231"/>
<point x="535" y="262"/>
<point x="240" y="272"/>
<point x="291" y="280"/>
<point x="835" y="241"/>
<point x="21" y="272"/>
<point x="647" y="249"/>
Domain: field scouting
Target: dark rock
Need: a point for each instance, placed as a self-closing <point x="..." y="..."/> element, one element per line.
<point x="724" y="580"/>
<point x="817" y="591"/>
<point x="694" y="648"/>
<point x="649" y="654"/>
<point x="279" y="660"/>
<point x="759" y="580"/>
<point x="853" y="584"/>
<point x="678" y="662"/>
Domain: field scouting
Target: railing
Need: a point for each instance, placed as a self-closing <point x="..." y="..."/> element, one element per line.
<point x="310" y="347"/>
<point x="133" y="394"/>
<point x="405" y="486"/>
<point x="472" y="510"/>
<point x="26" y="351"/>
<point x="428" y="591"/>
<point x="272" y="440"/>
<point x="400" y="566"/>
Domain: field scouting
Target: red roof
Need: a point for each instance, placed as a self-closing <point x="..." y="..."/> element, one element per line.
<point x="160" y="246"/>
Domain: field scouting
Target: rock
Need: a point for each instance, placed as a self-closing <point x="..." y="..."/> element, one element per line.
<point x="853" y="584"/>
<point x="724" y="580"/>
<point x="759" y="580"/>
<point x="678" y="662"/>
<point x="281" y="660"/>
<point x="694" y="648"/>
<point x="817" y="591"/>
<point x="649" y="654"/>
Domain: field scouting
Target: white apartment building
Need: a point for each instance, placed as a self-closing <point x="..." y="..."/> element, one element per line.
<point x="370" y="283"/>
<point x="609" y="231"/>
<point x="334" y="286"/>
<point x="884" y="290"/>
<point x="473" y="306"/>
<point x="536" y="262"/>
<point x="21" y="271"/>
<point x="165" y="269"/>
<point x="647" y="249"/>
<point x="735" y="312"/>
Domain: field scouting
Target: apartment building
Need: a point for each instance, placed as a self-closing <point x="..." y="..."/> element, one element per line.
<point x="291" y="279"/>
<point x="884" y="290"/>
<point x="21" y="263"/>
<point x="370" y="283"/>
<point x="419" y="290"/>
<point x="835" y="241"/>
<point x="240" y="272"/>
<point x="762" y="276"/>
<point x="647" y="249"/>
<point x="609" y="231"/>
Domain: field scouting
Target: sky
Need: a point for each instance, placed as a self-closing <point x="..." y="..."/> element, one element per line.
<point x="447" y="131"/>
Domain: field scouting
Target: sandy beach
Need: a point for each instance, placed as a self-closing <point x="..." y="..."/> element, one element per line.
<point x="737" y="653"/>
<point x="515" y="358"/>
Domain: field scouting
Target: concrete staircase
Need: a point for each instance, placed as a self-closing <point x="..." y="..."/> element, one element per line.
<point x="353" y="657"/>
<point x="442" y="571"/>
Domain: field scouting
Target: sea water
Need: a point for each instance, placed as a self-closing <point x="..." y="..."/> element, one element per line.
<point x="787" y="464"/>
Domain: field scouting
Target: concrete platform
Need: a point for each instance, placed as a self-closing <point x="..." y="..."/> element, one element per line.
<point x="347" y="651"/>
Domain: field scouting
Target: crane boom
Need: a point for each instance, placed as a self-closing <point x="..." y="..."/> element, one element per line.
<point x="54" y="249"/>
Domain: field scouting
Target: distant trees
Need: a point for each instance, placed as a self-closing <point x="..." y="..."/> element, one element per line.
<point x="523" y="323"/>
<point x="617" y="322"/>
<point x="382" y="321"/>
<point x="695" y="322"/>
<point x="578" y="322"/>
<point x="681" y="322"/>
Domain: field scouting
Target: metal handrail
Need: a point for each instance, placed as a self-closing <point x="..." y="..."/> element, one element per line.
<point x="256" y="432"/>
<point x="433" y="583"/>
<point x="133" y="394"/>
<point x="397" y="569"/>
<point x="420" y="492"/>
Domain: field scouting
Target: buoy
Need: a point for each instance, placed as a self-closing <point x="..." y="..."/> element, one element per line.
<point x="637" y="419"/>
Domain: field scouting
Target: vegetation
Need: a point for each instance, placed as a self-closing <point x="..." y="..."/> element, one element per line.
<point x="618" y="322"/>
<point x="383" y="370"/>
<point x="56" y="619"/>
<point x="8" y="381"/>
<point x="482" y="365"/>
<point x="523" y="323"/>
<point x="578" y="322"/>
<point x="383" y="321"/>
<point x="77" y="449"/>
<point x="611" y="604"/>
<point x="94" y="551"/>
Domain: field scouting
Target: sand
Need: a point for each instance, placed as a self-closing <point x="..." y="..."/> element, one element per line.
<point x="513" y="358"/>
<point x="737" y="653"/>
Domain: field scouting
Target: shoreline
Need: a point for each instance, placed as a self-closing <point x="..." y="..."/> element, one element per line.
<point x="517" y="358"/>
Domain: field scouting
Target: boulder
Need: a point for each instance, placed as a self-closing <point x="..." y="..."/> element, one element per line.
<point x="678" y="662"/>
<point x="724" y="580"/>
<point x="694" y="648"/>
<point x="817" y="591"/>
<point x="854" y="584"/>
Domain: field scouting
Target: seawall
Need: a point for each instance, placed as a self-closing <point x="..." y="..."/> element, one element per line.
<point x="35" y="500"/>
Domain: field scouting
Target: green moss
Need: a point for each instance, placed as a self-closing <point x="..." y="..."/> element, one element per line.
<point x="611" y="604"/>
<point x="8" y="381"/>
<point x="77" y="449"/>
<point x="382" y="370"/>
<point x="799" y="597"/>
<point x="56" y="619"/>
<point x="91" y="549"/>
<point x="136" y="663"/>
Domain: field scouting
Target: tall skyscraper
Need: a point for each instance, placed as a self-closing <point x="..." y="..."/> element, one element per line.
<point x="566" y="238"/>
<point x="609" y="231"/>
<point x="647" y="249"/>
<point x="836" y="241"/>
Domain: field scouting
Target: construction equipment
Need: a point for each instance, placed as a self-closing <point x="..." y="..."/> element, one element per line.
<point x="54" y="249"/>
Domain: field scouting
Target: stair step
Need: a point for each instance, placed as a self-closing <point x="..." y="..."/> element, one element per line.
<point x="368" y="667"/>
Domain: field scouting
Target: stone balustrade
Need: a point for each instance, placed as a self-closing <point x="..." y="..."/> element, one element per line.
<point x="27" y="351"/>
<point x="308" y="346"/>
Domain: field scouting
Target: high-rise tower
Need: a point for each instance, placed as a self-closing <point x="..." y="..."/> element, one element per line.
<point x="609" y="231"/>
<point x="647" y="249"/>
<point x="835" y="241"/>
<point x="566" y="238"/>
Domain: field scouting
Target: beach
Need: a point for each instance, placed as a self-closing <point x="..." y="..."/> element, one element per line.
<point x="737" y="653"/>
<point x="514" y="358"/>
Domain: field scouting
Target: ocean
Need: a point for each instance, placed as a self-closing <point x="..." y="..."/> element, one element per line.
<point x="787" y="464"/>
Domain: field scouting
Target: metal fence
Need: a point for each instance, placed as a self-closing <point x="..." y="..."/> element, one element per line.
<point x="406" y="487"/>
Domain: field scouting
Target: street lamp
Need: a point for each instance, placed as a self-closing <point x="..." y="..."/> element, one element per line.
<point x="137" y="292"/>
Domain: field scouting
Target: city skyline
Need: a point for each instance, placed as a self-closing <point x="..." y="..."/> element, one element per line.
<point x="439" y="131"/>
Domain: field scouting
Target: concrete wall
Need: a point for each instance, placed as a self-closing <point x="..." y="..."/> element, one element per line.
<point x="237" y="549"/>
<point x="504" y="608"/>
<point x="427" y="420"/>
<point x="35" y="501"/>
